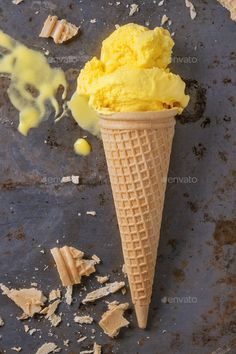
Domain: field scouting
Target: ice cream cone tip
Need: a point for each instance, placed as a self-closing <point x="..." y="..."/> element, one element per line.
<point x="142" y="315"/>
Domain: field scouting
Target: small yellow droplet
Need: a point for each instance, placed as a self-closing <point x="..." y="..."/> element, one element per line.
<point x="82" y="147"/>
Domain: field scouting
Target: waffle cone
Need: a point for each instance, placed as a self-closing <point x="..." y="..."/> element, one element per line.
<point x="137" y="148"/>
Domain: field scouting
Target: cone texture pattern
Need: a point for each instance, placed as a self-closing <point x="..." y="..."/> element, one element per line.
<point x="138" y="154"/>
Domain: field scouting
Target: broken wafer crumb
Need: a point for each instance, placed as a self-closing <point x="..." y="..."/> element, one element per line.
<point x="50" y="309"/>
<point x="92" y="213"/>
<point x="32" y="331"/>
<point x="112" y="304"/>
<point x="113" y="320"/>
<point x="164" y="19"/>
<point x="66" y="342"/>
<point x="60" y="30"/>
<point x="104" y="291"/>
<point x="96" y="259"/>
<point x="54" y="294"/>
<point x="231" y="6"/>
<point x="29" y="300"/>
<point x="83" y="319"/>
<point x="124" y="291"/>
<point x="124" y="271"/>
<point x="47" y="348"/>
<point x="66" y="179"/>
<point x="81" y="339"/>
<point x="16" y="349"/>
<point x="26" y="328"/>
<point x="1" y="322"/>
<point x="161" y="3"/>
<point x="17" y="2"/>
<point x="133" y="8"/>
<point x="55" y="320"/>
<point x="68" y="294"/>
<point x="34" y="284"/>
<point x="97" y="349"/>
<point x="102" y="279"/>
<point x="71" y="266"/>
<point x="73" y="179"/>
<point x="87" y="352"/>
<point x="192" y="9"/>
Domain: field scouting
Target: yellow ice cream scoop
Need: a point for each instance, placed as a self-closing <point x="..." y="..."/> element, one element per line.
<point x="134" y="90"/>
<point x="131" y="75"/>
<point x="137" y="46"/>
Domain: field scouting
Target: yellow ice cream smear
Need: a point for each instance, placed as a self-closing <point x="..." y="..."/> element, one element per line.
<point x="82" y="147"/>
<point x="131" y="75"/>
<point x="34" y="83"/>
<point x="84" y="115"/>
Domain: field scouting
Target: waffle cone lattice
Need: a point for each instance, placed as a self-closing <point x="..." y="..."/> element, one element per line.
<point x="138" y="148"/>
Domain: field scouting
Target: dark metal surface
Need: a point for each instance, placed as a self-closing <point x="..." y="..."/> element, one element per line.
<point x="193" y="307"/>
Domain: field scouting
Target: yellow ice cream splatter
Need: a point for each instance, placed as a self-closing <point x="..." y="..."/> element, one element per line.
<point x="85" y="116"/>
<point x="131" y="75"/>
<point x="82" y="147"/>
<point x="33" y="83"/>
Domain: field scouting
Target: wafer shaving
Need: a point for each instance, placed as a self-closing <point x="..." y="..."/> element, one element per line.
<point x="104" y="291"/>
<point x="192" y="9"/>
<point x="97" y="349"/>
<point x="16" y="349"/>
<point x="102" y="279"/>
<point x="81" y="339"/>
<point x="59" y="30"/>
<point x="68" y="294"/>
<point x="133" y="8"/>
<point x="50" y="310"/>
<point x="1" y="322"/>
<point x="113" y="320"/>
<point x="71" y="266"/>
<point x="164" y="19"/>
<point x="46" y="348"/>
<point x="17" y="2"/>
<point x="54" y="294"/>
<point x="55" y="320"/>
<point x="83" y="319"/>
<point x="29" y="300"/>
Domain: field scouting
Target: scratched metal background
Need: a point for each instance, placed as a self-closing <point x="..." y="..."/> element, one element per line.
<point x="197" y="248"/>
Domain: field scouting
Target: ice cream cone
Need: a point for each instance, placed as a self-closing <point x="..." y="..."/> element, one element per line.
<point x="231" y="6"/>
<point x="138" y="147"/>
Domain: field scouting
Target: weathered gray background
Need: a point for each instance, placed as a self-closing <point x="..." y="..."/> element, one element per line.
<point x="196" y="256"/>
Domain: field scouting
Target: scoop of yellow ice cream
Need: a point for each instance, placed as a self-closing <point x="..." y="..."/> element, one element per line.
<point x="130" y="90"/>
<point x="131" y="75"/>
<point x="137" y="46"/>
